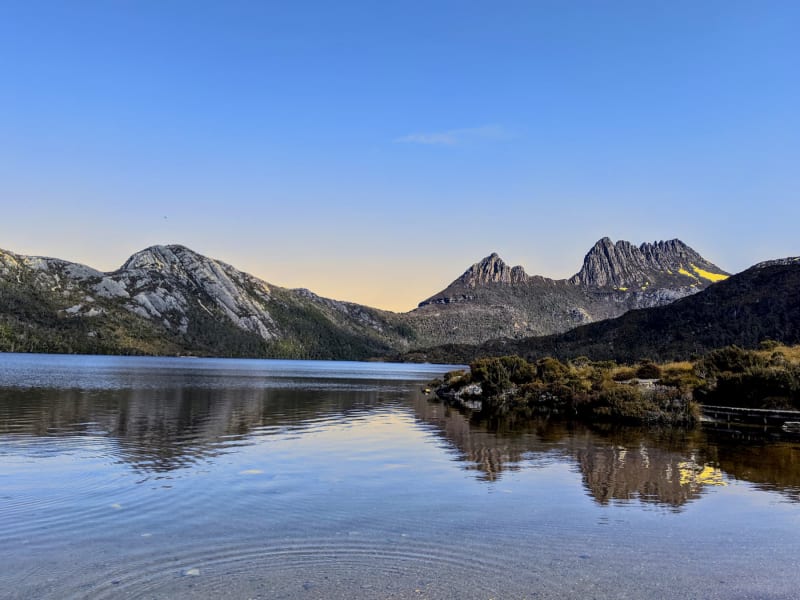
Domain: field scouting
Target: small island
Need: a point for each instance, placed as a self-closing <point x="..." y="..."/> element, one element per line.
<point x="646" y="392"/>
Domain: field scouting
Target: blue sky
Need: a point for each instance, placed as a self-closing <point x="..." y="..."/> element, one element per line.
<point x="373" y="151"/>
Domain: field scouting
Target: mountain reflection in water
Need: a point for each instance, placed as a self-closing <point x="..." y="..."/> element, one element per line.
<point x="181" y="427"/>
<point x="667" y="466"/>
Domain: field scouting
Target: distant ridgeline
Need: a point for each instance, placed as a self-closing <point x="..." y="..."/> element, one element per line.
<point x="171" y="300"/>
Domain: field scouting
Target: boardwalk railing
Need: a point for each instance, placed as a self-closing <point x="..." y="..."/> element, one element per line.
<point x="761" y="416"/>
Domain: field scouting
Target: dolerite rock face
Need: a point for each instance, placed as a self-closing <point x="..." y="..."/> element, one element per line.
<point x="623" y="265"/>
<point x="492" y="269"/>
<point x="492" y="300"/>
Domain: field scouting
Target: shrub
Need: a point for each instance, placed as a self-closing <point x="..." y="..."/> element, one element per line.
<point x="768" y="345"/>
<point x="759" y="387"/>
<point x="605" y="365"/>
<point x="679" y="377"/>
<point x="456" y="379"/>
<point x="580" y="362"/>
<point x="624" y="374"/>
<point x="648" y="370"/>
<point x="731" y="359"/>
<point x="624" y="402"/>
<point x="551" y="370"/>
<point x="492" y="374"/>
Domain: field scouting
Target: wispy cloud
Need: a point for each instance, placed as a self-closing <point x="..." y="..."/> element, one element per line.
<point x="456" y="137"/>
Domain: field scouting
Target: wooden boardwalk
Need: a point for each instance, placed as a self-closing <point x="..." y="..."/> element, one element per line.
<point x="755" y="416"/>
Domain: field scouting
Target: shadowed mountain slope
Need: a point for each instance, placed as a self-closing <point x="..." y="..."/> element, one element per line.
<point x="760" y="303"/>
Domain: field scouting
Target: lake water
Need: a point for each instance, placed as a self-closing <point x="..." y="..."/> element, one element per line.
<point x="194" y="478"/>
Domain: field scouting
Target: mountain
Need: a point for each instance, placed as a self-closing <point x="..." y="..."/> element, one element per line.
<point x="671" y="264"/>
<point x="494" y="300"/>
<point x="745" y="309"/>
<point x="171" y="300"/>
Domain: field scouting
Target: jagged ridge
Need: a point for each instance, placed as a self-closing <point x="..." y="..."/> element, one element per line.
<point x="492" y="299"/>
<point x="492" y="269"/>
<point x="623" y="265"/>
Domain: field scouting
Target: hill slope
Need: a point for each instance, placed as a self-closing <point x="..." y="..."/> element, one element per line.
<point x="760" y="303"/>
<point x="171" y="300"/>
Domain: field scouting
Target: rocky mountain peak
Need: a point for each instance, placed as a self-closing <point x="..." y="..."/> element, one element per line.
<point x="623" y="265"/>
<point x="492" y="269"/>
<point x="171" y="259"/>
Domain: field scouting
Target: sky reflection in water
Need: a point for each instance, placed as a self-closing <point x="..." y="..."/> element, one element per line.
<point x="291" y="479"/>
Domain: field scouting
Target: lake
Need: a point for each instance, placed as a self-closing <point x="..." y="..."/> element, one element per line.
<point x="150" y="478"/>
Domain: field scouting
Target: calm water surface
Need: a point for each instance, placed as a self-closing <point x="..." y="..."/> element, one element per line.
<point x="195" y="478"/>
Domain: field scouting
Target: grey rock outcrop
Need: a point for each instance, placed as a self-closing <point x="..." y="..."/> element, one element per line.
<point x="492" y="269"/>
<point x="492" y="300"/>
<point x="162" y="281"/>
<point x="622" y="265"/>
